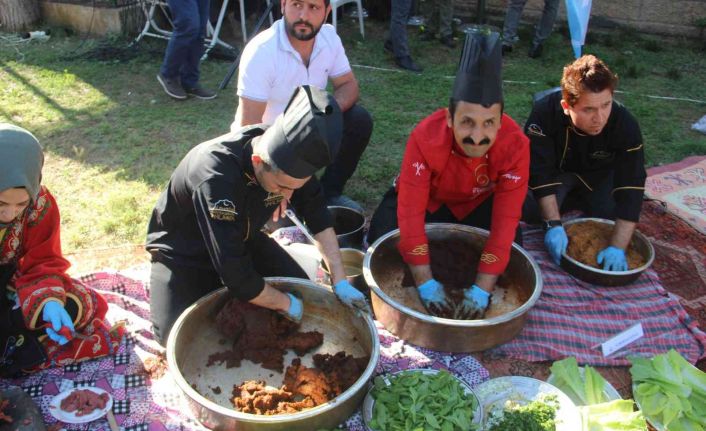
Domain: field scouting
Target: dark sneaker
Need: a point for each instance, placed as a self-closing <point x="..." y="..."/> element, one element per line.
<point x="506" y="49"/>
<point x="172" y="87"/>
<point x="344" y="201"/>
<point x="448" y="41"/>
<point x="535" y="50"/>
<point x="201" y="93"/>
<point x="407" y="63"/>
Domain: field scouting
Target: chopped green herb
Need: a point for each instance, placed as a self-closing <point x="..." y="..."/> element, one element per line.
<point x="539" y="415"/>
<point x="414" y="401"/>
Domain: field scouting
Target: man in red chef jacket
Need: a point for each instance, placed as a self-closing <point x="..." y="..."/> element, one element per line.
<point x="468" y="164"/>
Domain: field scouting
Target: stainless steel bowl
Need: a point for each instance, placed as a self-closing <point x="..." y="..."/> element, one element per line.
<point x="600" y="277"/>
<point x="348" y="224"/>
<point x="194" y="337"/>
<point x="384" y="270"/>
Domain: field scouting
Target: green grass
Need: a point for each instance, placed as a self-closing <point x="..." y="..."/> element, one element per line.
<point x="112" y="137"/>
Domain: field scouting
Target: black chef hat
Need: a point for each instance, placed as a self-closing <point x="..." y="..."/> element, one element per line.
<point x="307" y="135"/>
<point x="479" y="78"/>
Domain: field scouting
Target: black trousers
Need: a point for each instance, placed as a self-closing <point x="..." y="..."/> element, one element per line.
<point x="357" y="128"/>
<point x="174" y="287"/>
<point x="385" y="217"/>
<point x="573" y="194"/>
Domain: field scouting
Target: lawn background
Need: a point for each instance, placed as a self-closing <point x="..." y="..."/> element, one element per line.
<point x="112" y="137"/>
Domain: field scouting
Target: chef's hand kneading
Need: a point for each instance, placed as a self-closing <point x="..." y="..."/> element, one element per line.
<point x="351" y="296"/>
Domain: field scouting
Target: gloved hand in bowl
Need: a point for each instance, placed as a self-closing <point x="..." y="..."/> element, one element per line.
<point x="556" y="241"/>
<point x="475" y="303"/>
<point x="295" y="312"/>
<point x="433" y="296"/>
<point x="351" y="296"/>
<point x="612" y="259"/>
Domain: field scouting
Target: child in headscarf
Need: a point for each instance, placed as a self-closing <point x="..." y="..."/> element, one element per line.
<point x="43" y="312"/>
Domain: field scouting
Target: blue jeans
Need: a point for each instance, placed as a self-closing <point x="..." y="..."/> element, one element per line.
<point x="544" y="27"/>
<point x="186" y="46"/>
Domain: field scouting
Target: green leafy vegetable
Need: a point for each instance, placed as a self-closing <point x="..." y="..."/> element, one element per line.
<point x="670" y="391"/>
<point x="416" y="401"/>
<point x="617" y="415"/>
<point x="539" y="415"/>
<point x="585" y="390"/>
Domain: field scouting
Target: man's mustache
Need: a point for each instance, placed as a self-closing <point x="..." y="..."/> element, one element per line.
<point x="308" y="24"/>
<point x="470" y="141"/>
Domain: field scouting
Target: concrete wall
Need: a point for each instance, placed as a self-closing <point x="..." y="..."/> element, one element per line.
<point x="668" y="17"/>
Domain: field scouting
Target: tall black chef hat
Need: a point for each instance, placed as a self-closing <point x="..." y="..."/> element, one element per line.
<point x="307" y="135"/>
<point x="479" y="78"/>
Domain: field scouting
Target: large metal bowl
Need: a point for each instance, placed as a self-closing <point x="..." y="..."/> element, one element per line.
<point x="384" y="270"/>
<point x="194" y="337"/>
<point x="600" y="277"/>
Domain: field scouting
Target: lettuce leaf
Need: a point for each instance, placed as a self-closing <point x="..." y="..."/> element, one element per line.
<point x="583" y="390"/>
<point x="670" y="391"/>
<point x="617" y="415"/>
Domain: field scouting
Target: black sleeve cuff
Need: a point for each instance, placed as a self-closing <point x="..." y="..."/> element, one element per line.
<point x="250" y="286"/>
<point x="628" y="204"/>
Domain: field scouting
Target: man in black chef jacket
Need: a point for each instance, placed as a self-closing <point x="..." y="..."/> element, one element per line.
<point x="587" y="146"/>
<point x="205" y="229"/>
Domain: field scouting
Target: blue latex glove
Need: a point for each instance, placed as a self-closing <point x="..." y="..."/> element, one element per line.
<point x="556" y="241"/>
<point x="351" y="296"/>
<point x="432" y="294"/>
<point x="295" y="312"/>
<point x="612" y="259"/>
<point x="55" y="314"/>
<point x="475" y="302"/>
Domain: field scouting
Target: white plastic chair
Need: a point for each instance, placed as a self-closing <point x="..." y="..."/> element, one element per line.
<point x="336" y="3"/>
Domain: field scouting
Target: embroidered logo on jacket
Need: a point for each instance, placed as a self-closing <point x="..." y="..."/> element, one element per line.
<point x="419" y="167"/>
<point x="534" y="129"/>
<point x="273" y="199"/>
<point x="512" y="177"/>
<point x="488" y="258"/>
<point x="420" y="250"/>
<point x="601" y="155"/>
<point x="223" y="210"/>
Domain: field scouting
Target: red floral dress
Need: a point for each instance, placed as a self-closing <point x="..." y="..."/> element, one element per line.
<point x="31" y="244"/>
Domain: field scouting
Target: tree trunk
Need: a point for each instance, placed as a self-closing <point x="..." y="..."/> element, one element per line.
<point x="18" y="15"/>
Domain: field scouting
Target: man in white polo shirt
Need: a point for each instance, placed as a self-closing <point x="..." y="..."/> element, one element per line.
<point x="300" y="49"/>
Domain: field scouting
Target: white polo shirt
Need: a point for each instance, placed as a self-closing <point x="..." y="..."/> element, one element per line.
<point x="270" y="68"/>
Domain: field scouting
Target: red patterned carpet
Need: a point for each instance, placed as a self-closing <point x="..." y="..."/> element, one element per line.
<point x="680" y="261"/>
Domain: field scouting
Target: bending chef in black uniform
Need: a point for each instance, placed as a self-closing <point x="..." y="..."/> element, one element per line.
<point x="586" y="145"/>
<point x="205" y="229"/>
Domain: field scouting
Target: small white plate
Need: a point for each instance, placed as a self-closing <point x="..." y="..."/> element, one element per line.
<point x="70" y="417"/>
<point x="495" y="392"/>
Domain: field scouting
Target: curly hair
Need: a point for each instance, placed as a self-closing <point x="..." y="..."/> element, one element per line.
<point x="587" y="73"/>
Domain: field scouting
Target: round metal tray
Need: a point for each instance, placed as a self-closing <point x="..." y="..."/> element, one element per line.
<point x="369" y="401"/>
<point x="495" y="392"/>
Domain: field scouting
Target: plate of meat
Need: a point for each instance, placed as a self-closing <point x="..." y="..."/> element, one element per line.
<point x="81" y="405"/>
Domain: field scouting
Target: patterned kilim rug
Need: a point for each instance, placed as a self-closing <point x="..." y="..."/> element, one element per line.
<point x="681" y="187"/>
<point x="150" y="401"/>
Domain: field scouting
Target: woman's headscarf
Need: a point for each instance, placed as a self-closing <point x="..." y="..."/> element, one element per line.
<point x="21" y="160"/>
